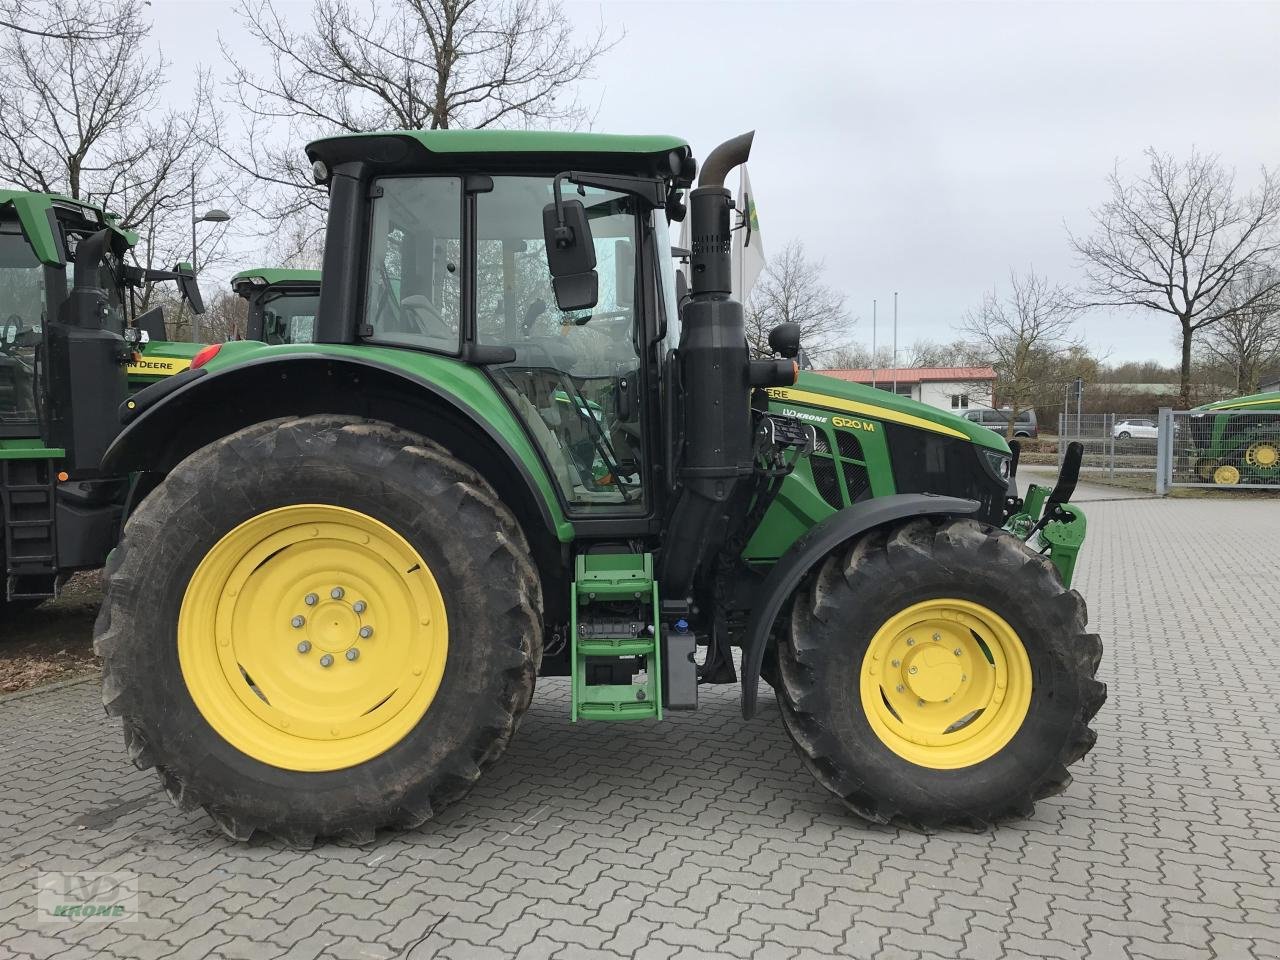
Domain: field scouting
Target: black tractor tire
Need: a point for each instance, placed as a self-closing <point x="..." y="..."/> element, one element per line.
<point x="855" y="591"/>
<point x="10" y="610"/>
<point x="449" y="514"/>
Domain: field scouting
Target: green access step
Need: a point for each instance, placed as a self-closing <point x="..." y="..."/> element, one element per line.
<point x="614" y="610"/>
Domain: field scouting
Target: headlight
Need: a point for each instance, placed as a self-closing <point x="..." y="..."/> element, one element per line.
<point x="997" y="463"/>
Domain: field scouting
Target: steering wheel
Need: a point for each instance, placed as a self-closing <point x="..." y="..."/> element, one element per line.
<point x="425" y="316"/>
<point x="15" y="323"/>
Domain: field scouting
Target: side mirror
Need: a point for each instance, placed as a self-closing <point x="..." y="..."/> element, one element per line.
<point x="571" y="255"/>
<point x="188" y="286"/>
<point x="784" y="340"/>
<point x="624" y="273"/>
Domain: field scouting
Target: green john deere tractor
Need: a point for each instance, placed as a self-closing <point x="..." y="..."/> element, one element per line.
<point x="72" y="346"/>
<point x="513" y="451"/>
<point x="282" y="303"/>
<point x="1236" y="441"/>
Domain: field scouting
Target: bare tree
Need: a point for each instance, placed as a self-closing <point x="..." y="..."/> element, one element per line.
<point x="1176" y="239"/>
<point x="1247" y="341"/>
<point x="1022" y="333"/>
<point x="403" y="64"/>
<point x="31" y="17"/>
<point x="791" y="290"/>
<point x="83" y="117"/>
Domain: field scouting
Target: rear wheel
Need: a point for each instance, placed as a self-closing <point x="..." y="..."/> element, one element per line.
<point x="320" y="626"/>
<point x="1123" y="435"/>
<point x="939" y="674"/>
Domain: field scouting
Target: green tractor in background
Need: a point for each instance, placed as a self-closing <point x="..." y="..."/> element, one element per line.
<point x="282" y="303"/>
<point x="73" y="345"/>
<point x="512" y="450"/>
<point x="1235" y="441"/>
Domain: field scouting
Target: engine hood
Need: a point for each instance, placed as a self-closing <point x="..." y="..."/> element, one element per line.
<point x="827" y="394"/>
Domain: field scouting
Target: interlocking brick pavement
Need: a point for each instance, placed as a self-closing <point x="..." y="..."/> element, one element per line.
<point x="704" y="836"/>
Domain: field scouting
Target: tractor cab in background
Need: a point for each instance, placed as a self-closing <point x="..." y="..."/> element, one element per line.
<point x="282" y="303"/>
<point x="71" y="339"/>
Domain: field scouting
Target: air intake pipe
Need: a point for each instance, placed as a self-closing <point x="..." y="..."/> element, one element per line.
<point x="715" y="384"/>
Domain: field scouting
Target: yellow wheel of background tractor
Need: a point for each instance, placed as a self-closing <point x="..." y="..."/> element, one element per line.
<point x="1226" y="474"/>
<point x="1204" y="468"/>
<point x="1263" y="455"/>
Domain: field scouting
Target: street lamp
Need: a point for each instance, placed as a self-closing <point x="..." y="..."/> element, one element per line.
<point x="216" y="215"/>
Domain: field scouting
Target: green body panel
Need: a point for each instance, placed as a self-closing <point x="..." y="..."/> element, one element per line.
<point x="1062" y="539"/>
<point x="1254" y="401"/>
<point x="833" y="407"/>
<point x="605" y="577"/>
<point x="153" y="365"/>
<point x="33" y="213"/>
<point x="273" y="275"/>
<point x="1222" y="432"/>
<point x="23" y="448"/>
<point x="468" y="387"/>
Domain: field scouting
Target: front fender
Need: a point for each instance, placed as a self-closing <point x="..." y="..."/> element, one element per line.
<point x="811" y="548"/>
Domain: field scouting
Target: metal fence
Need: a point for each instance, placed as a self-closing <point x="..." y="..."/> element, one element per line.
<point x="1113" y="443"/>
<point x="1218" y="448"/>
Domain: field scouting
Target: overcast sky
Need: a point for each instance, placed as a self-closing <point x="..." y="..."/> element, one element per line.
<point x="919" y="147"/>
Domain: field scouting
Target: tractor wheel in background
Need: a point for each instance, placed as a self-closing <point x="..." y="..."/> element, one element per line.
<point x="1263" y="457"/>
<point x="1204" y="468"/>
<point x="10" y="610"/>
<point x="939" y="674"/>
<point x="319" y="627"/>
<point x="1226" y="474"/>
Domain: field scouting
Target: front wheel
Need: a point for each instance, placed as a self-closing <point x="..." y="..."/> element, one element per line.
<point x="939" y="674"/>
<point x="319" y="627"/>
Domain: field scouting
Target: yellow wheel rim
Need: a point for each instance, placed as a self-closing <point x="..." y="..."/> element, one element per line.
<point x="946" y="683"/>
<point x="1264" y="455"/>
<point x="312" y="637"/>
<point x="1226" y="474"/>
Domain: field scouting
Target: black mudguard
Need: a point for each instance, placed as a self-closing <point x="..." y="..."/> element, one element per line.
<point x="810" y="549"/>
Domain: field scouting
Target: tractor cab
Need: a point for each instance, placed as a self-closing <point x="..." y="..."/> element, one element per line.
<point x="281" y="303"/>
<point x="70" y="338"/>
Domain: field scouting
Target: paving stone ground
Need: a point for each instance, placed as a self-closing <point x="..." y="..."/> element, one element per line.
<point x="704" y="836"/>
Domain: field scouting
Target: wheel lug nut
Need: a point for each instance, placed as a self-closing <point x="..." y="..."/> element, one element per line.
<point x="919" y="703"/>
<point x="911" y="641"/>
<point x="914" y="670"/>
<point x="359" y="606"/>
<point x="310" y="599"/>
<point x="901" y="688"/>
<point x="366" y="633"/>
<point x="326" y="661"/>
<point x="897" y="663"/>
<point x="304" y="646"/>
<point x="337" y="593"/>
<point x="937" y="637"/>
<point x="956" y="651"/>
<point x="298" y="622"/>
<point x="353" y="654"/>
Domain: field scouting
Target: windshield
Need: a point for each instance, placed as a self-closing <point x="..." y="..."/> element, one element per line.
<point x="22" y="318"/>
<point x="288" y="318"/>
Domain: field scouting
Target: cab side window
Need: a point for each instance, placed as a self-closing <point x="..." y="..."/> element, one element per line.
<point x="412" y="291"/>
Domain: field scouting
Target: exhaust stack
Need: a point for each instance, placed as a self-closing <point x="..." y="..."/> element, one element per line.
<point x="715" y="383"/>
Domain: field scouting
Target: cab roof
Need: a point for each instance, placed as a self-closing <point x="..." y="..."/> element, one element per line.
<point x="1254" y="401"/>
<point x="34" y="210"/>
<point x="500" y="150"/>
<point x="270" y="276"/>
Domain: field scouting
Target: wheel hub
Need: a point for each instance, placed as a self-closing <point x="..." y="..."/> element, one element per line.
<point x="933" y="673"/>
<point x="313" y="637"/>
<point x="945" y="683"/>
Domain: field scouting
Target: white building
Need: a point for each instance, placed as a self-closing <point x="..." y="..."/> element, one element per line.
<point x="949" y="388"/>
